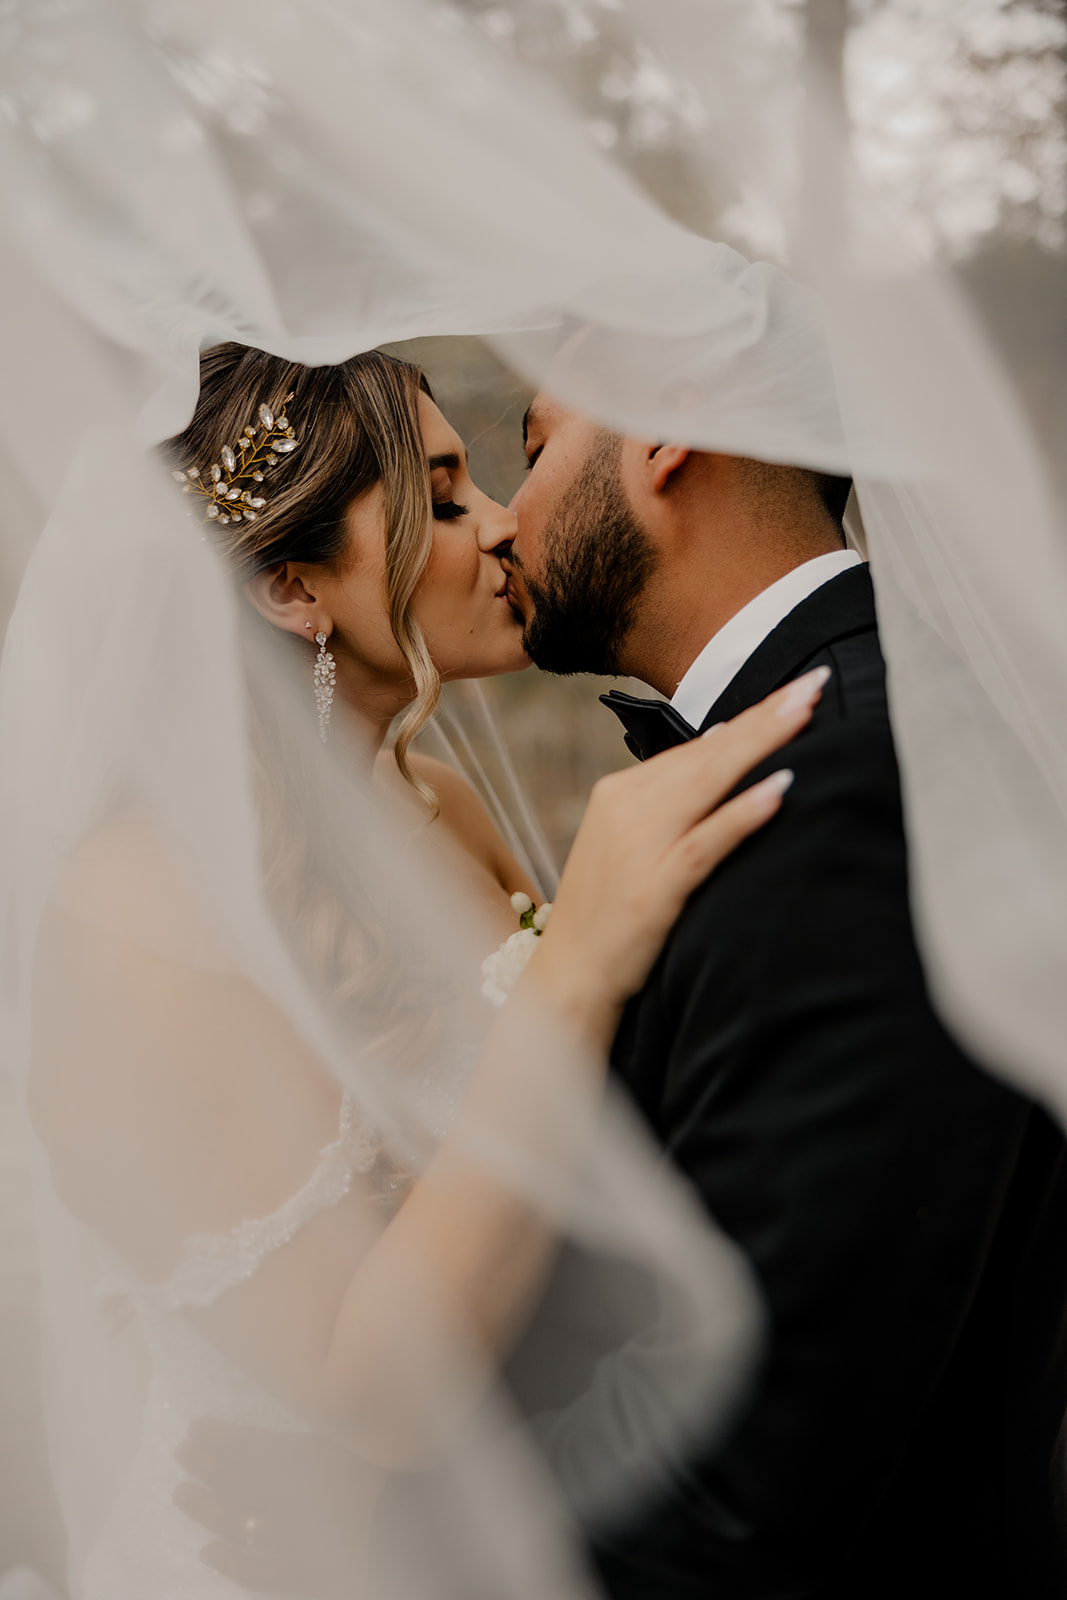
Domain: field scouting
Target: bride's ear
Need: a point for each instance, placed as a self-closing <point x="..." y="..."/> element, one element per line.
<point x="281" y="595"/>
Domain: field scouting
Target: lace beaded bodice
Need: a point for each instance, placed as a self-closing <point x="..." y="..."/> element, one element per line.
<point x="147" y="1546"/>
<point x="212" y="1263"/>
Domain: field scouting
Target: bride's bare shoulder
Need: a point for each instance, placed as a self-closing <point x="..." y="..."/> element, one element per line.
<point x="124" y="881"/>
<point x="466" y="818"/>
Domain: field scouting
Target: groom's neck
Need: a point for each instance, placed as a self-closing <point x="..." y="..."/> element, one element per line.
<point x="701" y="582"/>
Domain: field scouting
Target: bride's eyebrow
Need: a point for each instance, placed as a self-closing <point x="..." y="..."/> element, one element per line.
<point x="450" y="462"/>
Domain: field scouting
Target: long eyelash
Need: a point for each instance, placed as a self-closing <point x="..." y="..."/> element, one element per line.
<point x="531" y="461"/>
<point x="448" y="510"/>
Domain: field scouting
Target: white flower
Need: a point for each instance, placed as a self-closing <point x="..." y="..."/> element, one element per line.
<point x="521" y="902"/>
<point x="503" y="969"/>
<point x="541" y="916"/>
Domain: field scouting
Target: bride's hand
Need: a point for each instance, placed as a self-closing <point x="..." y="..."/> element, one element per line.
<point x="650" y="835"/>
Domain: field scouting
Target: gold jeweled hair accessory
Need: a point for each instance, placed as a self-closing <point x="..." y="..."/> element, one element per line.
<point x="221" y="484"/>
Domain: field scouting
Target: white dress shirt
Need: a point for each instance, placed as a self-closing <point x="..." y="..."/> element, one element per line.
<point x="727" y="651"/>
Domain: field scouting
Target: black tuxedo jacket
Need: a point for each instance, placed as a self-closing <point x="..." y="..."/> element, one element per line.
<point x="905" y="1213"/>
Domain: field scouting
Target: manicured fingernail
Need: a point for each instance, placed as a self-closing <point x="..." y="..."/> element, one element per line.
<point x="772" y="788"/>
<point x="803" y="692"/>
<point x="713" y="729"/>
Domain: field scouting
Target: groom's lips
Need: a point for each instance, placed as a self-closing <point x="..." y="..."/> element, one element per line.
<point x="512" y="598"/>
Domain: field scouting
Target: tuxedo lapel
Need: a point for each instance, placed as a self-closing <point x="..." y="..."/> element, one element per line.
<point x="840" y="608"/>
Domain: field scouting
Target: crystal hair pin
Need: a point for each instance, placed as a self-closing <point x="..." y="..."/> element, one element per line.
<point x="249" y="461"/>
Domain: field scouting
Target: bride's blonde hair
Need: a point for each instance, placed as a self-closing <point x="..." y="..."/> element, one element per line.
<point x="358" y="426"/>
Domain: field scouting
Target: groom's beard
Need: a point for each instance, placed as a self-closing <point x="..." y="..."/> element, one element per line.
<point x="597" y="560"/>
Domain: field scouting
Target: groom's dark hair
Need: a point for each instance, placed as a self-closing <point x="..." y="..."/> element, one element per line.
<point x="834" y="492"/>
<point x="783" y="490"/>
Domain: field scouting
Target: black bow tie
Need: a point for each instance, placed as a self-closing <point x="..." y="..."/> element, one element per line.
<point x="651" y="725"/>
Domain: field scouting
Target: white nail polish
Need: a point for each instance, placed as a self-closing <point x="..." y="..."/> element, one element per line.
<point x="713" y="729"/>
<point x="803" y="691"/>
<point x="774" y="786"/>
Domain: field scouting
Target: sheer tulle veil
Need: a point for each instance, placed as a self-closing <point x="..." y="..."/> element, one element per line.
<point x="318" y="179"/>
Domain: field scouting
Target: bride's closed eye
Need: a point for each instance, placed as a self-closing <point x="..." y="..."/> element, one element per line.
<point x="445" y="508"/>
<point x="448" y="510"/>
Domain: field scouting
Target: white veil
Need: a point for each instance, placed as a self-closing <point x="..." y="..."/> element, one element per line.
<point x="320" y="178"/>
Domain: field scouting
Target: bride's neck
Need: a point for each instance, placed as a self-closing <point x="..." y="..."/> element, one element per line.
<point x="372" y="708"/>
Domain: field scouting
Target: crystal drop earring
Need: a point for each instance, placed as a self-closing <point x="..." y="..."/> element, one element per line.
<point x="325" y="681"/>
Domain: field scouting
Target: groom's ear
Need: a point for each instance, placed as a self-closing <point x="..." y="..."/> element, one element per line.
<point x="664" y="460"/>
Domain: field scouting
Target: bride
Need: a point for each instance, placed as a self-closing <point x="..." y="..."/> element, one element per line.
<point x="380" y="1282"/>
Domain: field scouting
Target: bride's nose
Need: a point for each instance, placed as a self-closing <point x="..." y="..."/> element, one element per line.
<point x="496" y="527"/>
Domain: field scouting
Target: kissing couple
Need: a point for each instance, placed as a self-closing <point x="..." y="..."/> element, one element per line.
<point x="732" y="934"/>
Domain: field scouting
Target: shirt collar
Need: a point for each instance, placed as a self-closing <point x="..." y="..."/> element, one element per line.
<point x="727" y="651"/>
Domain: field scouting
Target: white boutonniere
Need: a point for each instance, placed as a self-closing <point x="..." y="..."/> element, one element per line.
<point x="503" y="969"/>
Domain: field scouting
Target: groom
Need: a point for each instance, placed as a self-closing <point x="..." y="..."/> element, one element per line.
<point x="904" y="1213"/>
